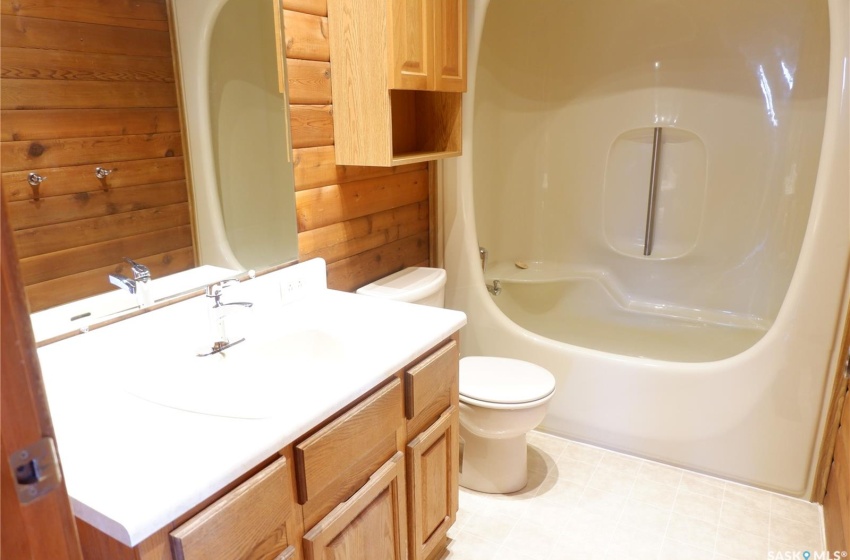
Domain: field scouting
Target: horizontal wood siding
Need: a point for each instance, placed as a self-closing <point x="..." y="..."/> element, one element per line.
<point x="366" y="222"/>
<point x="87" y="84"/>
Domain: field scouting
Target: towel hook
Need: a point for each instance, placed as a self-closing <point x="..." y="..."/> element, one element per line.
<point x="102" y="173"/>
<point x="34" y="180"/>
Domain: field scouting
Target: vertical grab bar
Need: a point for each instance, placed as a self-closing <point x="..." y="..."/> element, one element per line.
<point x="653" y="186"/>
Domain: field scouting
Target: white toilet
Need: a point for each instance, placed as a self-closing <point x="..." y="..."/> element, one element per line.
<point x="501" y="399"/>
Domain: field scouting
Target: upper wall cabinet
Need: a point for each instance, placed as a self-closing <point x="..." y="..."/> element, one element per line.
<point x="428" y="45"/>
<point x="398" y="68"/>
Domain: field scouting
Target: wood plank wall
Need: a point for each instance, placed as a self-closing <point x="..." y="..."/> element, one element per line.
<point x="367" y="222"/>
<point x="87" y="83"/>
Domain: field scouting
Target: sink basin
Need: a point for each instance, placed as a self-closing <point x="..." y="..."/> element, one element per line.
<point x="245" y="380"/>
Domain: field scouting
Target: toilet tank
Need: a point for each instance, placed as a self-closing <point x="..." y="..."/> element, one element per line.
<point x="418" y="284"/>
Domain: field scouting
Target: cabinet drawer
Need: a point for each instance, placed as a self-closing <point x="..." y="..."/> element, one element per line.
<point x="428" y="387"/>
<point x="332" y="463"/>
<point x="254" y="521"/>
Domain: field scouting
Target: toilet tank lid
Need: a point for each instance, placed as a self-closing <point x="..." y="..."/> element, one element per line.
<point x="410" y="284"/>
<point x="504" y="380"/>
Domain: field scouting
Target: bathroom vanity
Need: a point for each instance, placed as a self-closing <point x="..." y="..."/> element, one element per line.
<point x="345" y="446"/>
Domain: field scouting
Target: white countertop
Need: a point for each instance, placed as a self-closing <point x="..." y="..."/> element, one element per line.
<point x="131" y="466"/>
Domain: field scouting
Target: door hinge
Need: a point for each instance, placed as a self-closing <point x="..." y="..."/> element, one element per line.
<point x="36" y="470"/>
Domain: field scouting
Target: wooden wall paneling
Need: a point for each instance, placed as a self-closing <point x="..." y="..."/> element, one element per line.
<point x="54" y="34"/>
<point x="52" y="94"/>
<point x="60" y="123"/>
<point x="89" y="84"/>
<point x="345" y="239"/>
<point x="312" y="125"/>
<point x="316" y="167"/>
<point x="67" y="65"/>
<point x="306" y="36"/>
<point x="81" y="178"/>
<point x="366" y="222"/>
<point x="77" y="286"/>
<point x="56" y="209"/>
<point x="354" y="272"/>
<point x="39" y="154"/>
<point x="323" y="206"/>
<point x="58" y="237"/>
<point x="315" y="7"/>
<point x="49" y="266"/>
<point x="309" y="82"/>
<point x="142" y="14"/>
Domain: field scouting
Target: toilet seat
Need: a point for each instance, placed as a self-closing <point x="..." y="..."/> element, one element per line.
<point x="503" y="382"/>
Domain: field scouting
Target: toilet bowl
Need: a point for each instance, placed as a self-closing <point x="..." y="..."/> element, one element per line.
<point x="501" y="399"/>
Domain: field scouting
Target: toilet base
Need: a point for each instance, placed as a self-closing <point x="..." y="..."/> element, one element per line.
<point x="494" y="466"/>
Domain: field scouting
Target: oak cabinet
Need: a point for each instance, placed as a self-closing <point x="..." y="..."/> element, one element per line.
<point x="377" y="480"/>
<point x="398" y="69"/>
<point x="427" y="45"/>
<point x="431" y="408"/>
<point x="257" y="520"/>
<point x="371" y="525"/>
<point x="432" y="474"/>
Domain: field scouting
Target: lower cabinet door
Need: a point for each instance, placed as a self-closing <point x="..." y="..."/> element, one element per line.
<point x="432" y="478"/>
<point x="371" y="525"/>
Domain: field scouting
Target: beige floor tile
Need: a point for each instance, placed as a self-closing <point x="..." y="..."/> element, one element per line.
<point x="754" y="521"/>
<point x="740" y="545"/>
<point x="585" y="503"/>
<point x="695" y="532"/>
<point x="552" y="445"/>
<point x="550" y="513"/>
<point x="781" y="549"/>
<point x="581" y="452"/>
<point x="532" y="539"/>
<point x="660" y="473"/>
<point x="672" y="549"/>
<point x="575" y="470"/>
<point x="539" y="462"/>
<point x="612" y="480"/>
<point x="623" y="464"/>
<point x="698" y="506"/>
<point x="563" y="491"/>
<point x="653" y="493"/>
<point x="470" y="547"/>
<point x="798" y="510"/>
<point x="747" y="496"/>
<point x="492" y="527"/>
<point x="644" y="517"/>
<point x="600" y="501"/>
<point x="701" y="484"/>
<point x="793" y="532"/>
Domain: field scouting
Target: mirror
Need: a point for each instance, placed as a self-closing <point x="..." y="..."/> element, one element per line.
<point x="236" y="110"/>
<point x="235" y="120"/>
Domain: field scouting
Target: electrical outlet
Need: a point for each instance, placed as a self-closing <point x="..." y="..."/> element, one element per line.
<point x="290" y="288"/>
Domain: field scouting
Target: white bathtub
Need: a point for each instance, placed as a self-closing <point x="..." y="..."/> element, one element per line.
<point x="715" y="352"/>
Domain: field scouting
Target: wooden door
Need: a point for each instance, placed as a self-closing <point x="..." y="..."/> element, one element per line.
<point x="450" y="45"/>
<point x="45" y="527"/>
<point x="410" y="44"/>
<point x="836" y="501"/>
<point x="371" y="525"/>
<point x="432" y="484"/>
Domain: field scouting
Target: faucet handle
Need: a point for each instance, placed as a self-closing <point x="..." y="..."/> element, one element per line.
<point x="140" y="271"/>
<point x="215" y="290"/>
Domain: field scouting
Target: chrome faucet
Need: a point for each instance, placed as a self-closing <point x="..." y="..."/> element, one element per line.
<point x="138" y="285"/>
<point x="217" y="313"/>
